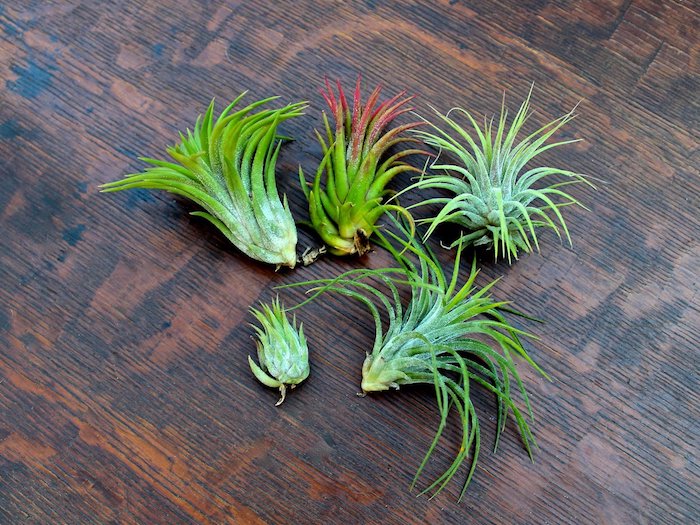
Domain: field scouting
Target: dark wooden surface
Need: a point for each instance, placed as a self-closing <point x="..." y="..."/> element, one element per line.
<point x="125" y="396"/>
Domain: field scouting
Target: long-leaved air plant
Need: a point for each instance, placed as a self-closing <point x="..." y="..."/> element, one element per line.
<point x="453" y="337"/>
<point x="227" y="166"/>
<point x="497" y="194"/>
<point x="347" y="195"/>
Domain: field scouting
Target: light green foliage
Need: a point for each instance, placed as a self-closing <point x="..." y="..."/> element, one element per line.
<point x="494" y="195"/>
<point x="454" y="337"/>
<point x="227" y="166"/>
<point x="282" y="350"/>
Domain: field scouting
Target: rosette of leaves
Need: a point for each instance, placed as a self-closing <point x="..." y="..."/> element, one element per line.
<point x="282" y="350"/>
<point x="498" y="194"/>
<point x="456" y="338"/>
<point x="347" y="195"/>
<point x="227" y="166"/>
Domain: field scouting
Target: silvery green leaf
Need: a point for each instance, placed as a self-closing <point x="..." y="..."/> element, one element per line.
<point x="283" y="354"/>
<point x="496" y="200"/>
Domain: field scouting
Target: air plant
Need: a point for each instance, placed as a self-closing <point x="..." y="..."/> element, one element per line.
<point x="347" y="195"/>
<point x="282" y="350"/>
<point x="227" y="166"/>
<point x="494" y="196"/>
<point x="453" y="337"/>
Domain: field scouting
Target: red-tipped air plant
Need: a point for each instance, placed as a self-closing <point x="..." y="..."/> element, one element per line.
<point x="345" y="209"/>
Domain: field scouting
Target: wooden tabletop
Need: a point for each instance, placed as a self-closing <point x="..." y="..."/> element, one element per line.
<point x="125" y="394"/>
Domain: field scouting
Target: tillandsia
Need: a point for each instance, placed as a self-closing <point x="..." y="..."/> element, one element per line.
<point x="282" y="350"/>
<point x="453" y="337"/>
<point x="497" y="194"/>
<point x="347" y="195"/>
<point x="227" y="166"/>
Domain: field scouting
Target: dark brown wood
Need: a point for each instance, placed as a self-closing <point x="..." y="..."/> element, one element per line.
<point x="125" y="396"/>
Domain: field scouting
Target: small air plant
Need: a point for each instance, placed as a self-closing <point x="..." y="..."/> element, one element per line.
<point x="282" y="350"/>
<point x="345" y="208"/>
<point x="494" y="196"/>
<point x="453" y="337"/>
<point x="227" y="166"/>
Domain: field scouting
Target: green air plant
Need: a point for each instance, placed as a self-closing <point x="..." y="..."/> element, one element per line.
<point x="282" y="350"/>
<point x="494" y="198"/>
<point x="345" y="208"/>
<point x="227" y="166"/>
<point x="453" y="337"/>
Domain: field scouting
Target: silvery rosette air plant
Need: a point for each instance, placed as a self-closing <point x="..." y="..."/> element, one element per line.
<point x="498" y="193"/>
<point x="347" y="195"/>
<point x="282" y="350"/>
<point x="456" y="338"/>
<point x="227" y="166"/>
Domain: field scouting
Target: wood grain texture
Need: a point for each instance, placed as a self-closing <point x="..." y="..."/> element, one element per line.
<point x="125" y="396"/>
